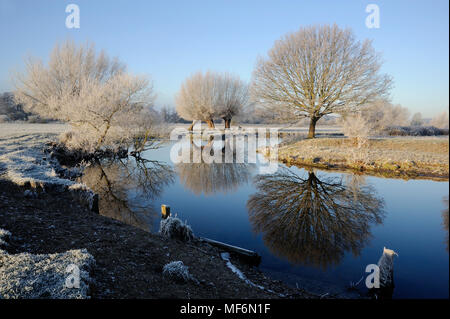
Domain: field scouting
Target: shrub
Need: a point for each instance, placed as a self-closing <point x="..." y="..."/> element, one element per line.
<point x="173" y="227"/>
<point x="177" y="271"/>
<point x="356" y="128"/>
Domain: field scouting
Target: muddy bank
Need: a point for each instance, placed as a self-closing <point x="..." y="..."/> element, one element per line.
<point x="128" y="261"/>
<point x="407" y="158"/>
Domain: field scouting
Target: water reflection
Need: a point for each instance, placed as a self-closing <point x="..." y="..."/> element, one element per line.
<point x="211" y="178"/>
<point x="313" y="220"/>
<point x="445" y="217"/>
<point x="127" y="188"/>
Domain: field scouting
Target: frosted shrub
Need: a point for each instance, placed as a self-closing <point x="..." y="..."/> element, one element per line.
<point x="105" y="106"/>
<point x="356" y="128"/>
<point x="173" y="227"/>
<point x="177" y="271"/>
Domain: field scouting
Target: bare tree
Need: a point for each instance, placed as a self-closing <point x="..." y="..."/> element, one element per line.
<point x="211" y="95"/>
<point x="233" y="97"/>
<point x="317" y="71"/>
<point x="196" y="98"/>
<point x="103" y="103"/>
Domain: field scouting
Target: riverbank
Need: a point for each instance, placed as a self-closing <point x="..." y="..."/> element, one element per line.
<point x="402" y="157"/>
<point x="128" y="261"/>
<point x="47" y="222"/>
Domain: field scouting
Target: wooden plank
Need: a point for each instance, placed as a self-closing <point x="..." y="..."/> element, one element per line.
<point x="249" y="255"/>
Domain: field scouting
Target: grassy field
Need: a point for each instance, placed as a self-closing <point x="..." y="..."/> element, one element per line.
<point x="409" y="157"/>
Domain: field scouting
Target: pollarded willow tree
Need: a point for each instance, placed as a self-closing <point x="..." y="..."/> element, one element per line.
<point x="316" y="71"/>
<point x="104" y="104"/>
<point x="233" y="97"/>
<point x="195" y="100"/>
<point x="212" y="95"/>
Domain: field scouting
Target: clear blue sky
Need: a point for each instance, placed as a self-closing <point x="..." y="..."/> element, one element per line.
<point x="169" y="40"/>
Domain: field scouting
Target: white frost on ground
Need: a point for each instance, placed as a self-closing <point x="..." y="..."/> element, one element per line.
<point x="24" y="162"/>
<point x="29" y="276"/>
<point x="18" y="128"/>
<point x="240" y="274"/>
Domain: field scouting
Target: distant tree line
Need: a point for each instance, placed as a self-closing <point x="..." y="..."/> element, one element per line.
<point x="9" y="110"/>
<point x="168" y="114"/>
<point x="318" y="73"/>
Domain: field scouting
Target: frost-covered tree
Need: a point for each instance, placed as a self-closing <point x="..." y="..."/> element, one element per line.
<point x="417" y="119"/>
<point x="316" y="71"/>
<point x="105" y="105"/>
<point x="196" y="98"/>
<point x="440" y="120"/>
<point x="382" y="114"/>
<point x="233" y="97"/>
<point x="211" y="95"/>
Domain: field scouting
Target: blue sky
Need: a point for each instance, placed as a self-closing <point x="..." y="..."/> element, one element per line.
<point x="169" y="40"/>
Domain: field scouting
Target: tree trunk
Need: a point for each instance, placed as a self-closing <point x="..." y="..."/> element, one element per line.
<point x="227" y="123"/>
<point x="312" y="127"/>
<point x="102" y="138"/>
<point x="191" y="127"/>
<point x="210" y="123"/>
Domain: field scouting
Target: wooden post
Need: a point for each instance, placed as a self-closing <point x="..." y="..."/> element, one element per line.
<point x="386" y="275"/>
<point x="165" y="211"/>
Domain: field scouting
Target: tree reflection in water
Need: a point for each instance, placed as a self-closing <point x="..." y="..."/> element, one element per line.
<point x="127" y="188"/>
<point x="445" y="218"/>
<point x="211" y="178"/>
<point x="313" y="220"/>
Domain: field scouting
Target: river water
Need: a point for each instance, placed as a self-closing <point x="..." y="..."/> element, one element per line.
<point x="314" y="229"/>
